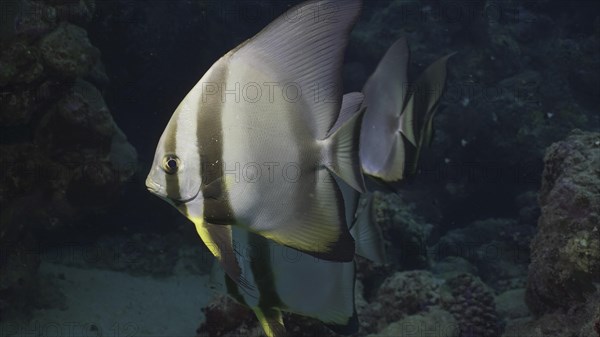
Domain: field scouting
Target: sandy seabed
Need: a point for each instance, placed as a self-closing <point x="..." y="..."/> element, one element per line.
<point x="116" y="304"/>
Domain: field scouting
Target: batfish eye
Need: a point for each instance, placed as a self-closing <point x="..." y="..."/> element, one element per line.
<point x="171" y="164"/>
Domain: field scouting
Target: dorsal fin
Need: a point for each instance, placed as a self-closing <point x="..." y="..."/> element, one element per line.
<point x="304" y="48"/>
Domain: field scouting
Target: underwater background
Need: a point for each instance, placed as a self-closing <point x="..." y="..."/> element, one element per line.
<point x="496" y="235"/>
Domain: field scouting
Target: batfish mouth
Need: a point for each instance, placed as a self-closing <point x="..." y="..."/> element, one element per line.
<point x="158" y="190"/>
<point x="153" y="187"/>
<point x="179" y="202"/>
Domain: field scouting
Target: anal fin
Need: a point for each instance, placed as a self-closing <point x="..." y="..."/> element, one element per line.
<point x="367" y="234"/>
<point x="218" y="239"/>
<point x="271" y="321"/>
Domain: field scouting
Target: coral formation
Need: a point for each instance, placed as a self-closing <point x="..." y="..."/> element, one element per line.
<point x="472" y="304"/>
<point x="511" y="304"/>
<point x="565" y="254"/>
<point x="62" y="156"/>
<point x="67" y="51"/>
<point x="405" y="232"/>
<point x="578" y="321"/>
<point x="400" y="295"/>
<point x="407" y="303"/>
<point x="497" y="248"/>
<point x="227" y="318"/>
<point x="433" y="322"/>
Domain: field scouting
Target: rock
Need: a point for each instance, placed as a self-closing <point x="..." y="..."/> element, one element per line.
<point x="74" y="11"/>
<point x="80" y="128"/>
<point x="16" y="108"/>
<point x="434" y="322"/>
<point x="565" y="254"/>
<point x="498" y="248"/>
<point x="529" y="210"/>
<point x="68" y="51"/>
<point x="61" y="154"/>
<point x="98" y="76"/>
<point x="223" y="316"/>
<point x="11" y="10"/>
<point x="580" y="322"/>
<point x="511" y="304"/>
<point x="405" y="232"/>
<point x="226" y="318"/>
<point x="123" y="156"/>
<point x="35" y="19"/>
<point x="452" y="266"/>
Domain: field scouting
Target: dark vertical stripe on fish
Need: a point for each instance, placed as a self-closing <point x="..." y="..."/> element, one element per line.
<point x="217" y="209"/>
<point x="172" y="181"/>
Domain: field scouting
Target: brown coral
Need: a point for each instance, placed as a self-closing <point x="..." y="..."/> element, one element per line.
<point x="565" y="258"/>
<point x="472" y="304"/>
<point x="61" y="154"/>
<point x="68" y="51"/>
<point x="224" y="316"/>
<point x="402" y="294"/>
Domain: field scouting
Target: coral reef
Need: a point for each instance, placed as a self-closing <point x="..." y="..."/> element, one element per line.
<point x="511" y="305"/>
<point x="400" y="295"/>
<point x="498" y="249"/>
<point x="565" y="254"/>
<point x="67" y="51"/>
<point x="472" y="304"/>
<point x="62" y="156"/>
<point x="406" y="233"/>
<point x="407" y="304"/>
<point x="580" y="321"/>
<point x="226" y="318"/>
<point x="433" y="322"/>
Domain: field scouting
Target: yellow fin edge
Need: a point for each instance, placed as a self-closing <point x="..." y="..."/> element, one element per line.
<point x="273" y="326"/>
<point x="205" y="236"/>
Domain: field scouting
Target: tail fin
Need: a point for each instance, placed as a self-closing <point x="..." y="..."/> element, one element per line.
<point x="343" y="158"/>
